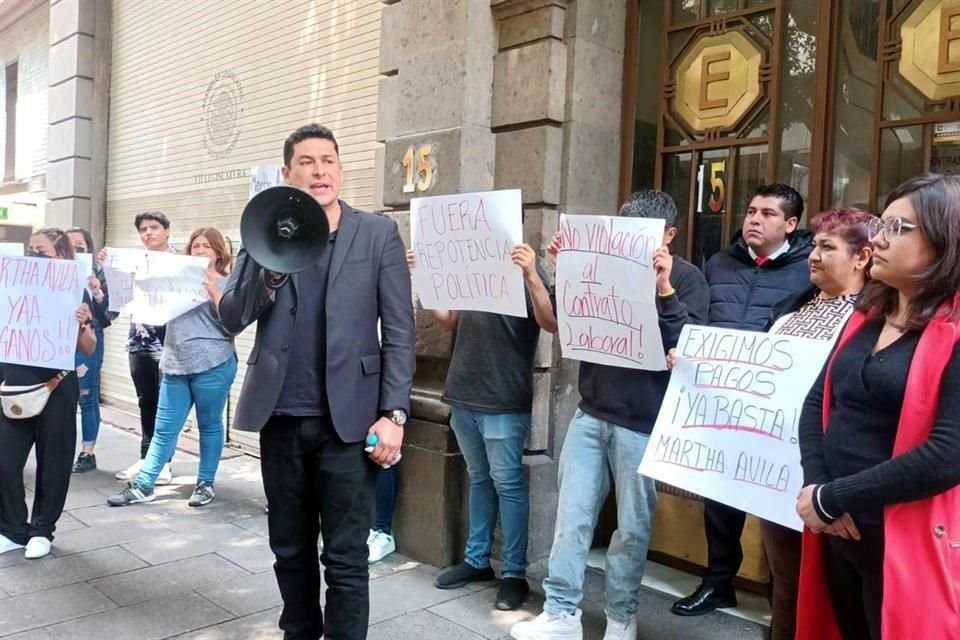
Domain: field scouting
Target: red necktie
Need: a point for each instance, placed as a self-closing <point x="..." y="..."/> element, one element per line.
<point x="761" y="260"/>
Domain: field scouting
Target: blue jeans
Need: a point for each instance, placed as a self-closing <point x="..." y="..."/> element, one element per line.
<point x="492" y="447"/>
<point x="208" y="390"/>
<point x="90" y="391"/>
<point x="593" y="451"/>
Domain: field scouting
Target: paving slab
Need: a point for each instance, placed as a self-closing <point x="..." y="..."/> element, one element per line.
<point x="259" y="626"/>
<point x="406" y="592"/>
<point x="50" y="607"/>
<point x="201" y="541"/>
<point x="253" y="554"/>
<point x="167" y="579"/>
<point x="420" y="625"/>
<point x="246" y="595"/>
<point x="98" y="537"/>
<point x="153" y="620"/>
<point x="51" y="572"/>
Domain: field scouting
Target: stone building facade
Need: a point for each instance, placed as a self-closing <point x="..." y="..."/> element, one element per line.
<point x="124" y="105"/>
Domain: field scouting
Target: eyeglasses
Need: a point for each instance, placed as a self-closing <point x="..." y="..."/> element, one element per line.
<point x="891" y="228"/>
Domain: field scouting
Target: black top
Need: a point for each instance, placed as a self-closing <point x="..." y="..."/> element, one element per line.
<point x="853" y="458"/>
<point x="631" y="398"/>
<point x="491" y="368"/>
<point x="304" y="391"/>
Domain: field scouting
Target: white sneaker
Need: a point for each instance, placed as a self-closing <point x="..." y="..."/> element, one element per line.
<point x="621" y="630"/>
<point x="166" y="475"/>
<point x="6" y="544"/>
<point x="380" y="545"/>
<point x="37" y="547"/>
<point x="130" y="472"/>
<point x="550" y="626"/>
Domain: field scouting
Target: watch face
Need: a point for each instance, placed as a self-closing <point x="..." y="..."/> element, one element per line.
<point x="400" y="417"/>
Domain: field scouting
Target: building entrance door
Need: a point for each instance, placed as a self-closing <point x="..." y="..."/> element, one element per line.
<point x="719" y="104"/>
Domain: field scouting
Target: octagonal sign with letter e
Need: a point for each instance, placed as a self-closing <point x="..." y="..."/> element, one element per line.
<point x="718" y="81"/>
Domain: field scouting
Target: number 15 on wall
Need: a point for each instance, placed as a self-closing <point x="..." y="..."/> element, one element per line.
<point x="419" y="174"/>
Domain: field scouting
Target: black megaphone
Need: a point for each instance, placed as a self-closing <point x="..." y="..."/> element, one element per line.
<point x="284" y="229"/>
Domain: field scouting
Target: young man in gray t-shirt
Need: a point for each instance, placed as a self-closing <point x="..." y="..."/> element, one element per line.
<point x="490" y="390"/>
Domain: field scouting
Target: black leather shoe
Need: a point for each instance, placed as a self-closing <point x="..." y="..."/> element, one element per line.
<point x="461" y="575"/>
<point x="512" y="593"/>
<point x="704" y="600"/>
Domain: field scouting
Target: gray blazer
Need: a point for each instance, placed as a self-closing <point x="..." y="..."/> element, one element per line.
<point x="368" y="281"/>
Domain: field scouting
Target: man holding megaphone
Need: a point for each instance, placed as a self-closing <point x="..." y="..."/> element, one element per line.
<point x="317" y="276"/>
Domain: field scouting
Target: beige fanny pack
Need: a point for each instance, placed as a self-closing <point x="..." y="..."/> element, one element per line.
<point x="20" y="403"/>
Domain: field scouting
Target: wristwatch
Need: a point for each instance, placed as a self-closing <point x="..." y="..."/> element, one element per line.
<point x="397" y="416"/>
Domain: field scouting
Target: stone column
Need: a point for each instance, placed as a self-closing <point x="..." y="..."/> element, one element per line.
<point x="505" y="94"/>
<point x="79" y="101"/>
<point x="436" y="58"/>
<point x="557" y="94"/>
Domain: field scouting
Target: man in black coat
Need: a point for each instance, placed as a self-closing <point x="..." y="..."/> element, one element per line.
<point x="766" y="263"/>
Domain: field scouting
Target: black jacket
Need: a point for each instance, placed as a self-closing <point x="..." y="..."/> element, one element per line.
<point x="631" y="398"/>
<point x="742" y="293"/>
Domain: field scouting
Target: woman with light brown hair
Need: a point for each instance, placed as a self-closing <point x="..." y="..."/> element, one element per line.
<point x="199" y="363"/>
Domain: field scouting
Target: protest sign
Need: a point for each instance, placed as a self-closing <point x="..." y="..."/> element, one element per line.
<point x="11" y="249"/>
<point x="728" y="426"/>
<point x="40" y="299"/>
<point x="463" y="245"/>
<point x="606" y="291"/>
<point x="154" y="286"/>
<point x="263" y="177"/>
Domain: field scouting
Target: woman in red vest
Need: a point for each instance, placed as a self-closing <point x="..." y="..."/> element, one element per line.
<point x="880" y="439"/>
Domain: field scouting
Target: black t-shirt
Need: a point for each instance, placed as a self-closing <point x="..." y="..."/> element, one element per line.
<point x="491" y="368"/>
<point x="304" y="391"/>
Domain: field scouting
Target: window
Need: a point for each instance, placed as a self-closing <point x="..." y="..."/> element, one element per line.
<point x="10" y="135"/>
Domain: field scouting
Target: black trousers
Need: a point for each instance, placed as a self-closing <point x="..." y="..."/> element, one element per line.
<point x="317" y="484"/>
<point x="855" y="583"/>
<point x="724" y="526"/>
<point x="54" y="433"/>
<point x="145" y="371"/>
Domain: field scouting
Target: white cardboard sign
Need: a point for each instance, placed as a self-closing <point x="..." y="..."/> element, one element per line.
<point x="463" y="245"/>
<point x="154" y="286"/>
<point x="728" y="426"/>
<point x="606" y="291"/>
<point x="40" y="297"/>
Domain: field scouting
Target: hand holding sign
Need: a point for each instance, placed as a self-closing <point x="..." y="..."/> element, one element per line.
<point x="155" y="286"/>
<point x="526" y="258"/>
<point x="663" y="266"/>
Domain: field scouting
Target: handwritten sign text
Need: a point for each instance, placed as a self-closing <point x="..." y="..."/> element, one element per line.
<point x="39" y="298"/>
<point x="606" y="288"/>
<point x="463" y="245"/>
<point x="727" y="428"/>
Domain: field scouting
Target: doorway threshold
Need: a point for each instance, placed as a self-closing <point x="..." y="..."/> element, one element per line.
<point x="678" y="584"/>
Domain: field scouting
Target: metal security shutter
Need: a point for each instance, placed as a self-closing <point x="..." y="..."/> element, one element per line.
<point x="203" y="91"/>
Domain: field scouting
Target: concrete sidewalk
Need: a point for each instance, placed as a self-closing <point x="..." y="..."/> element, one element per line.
<point x="164" y="570"/>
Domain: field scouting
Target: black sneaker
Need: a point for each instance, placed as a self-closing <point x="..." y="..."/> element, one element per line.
<point x="461" y="575"/>
<point x="202" y="495"/>
<point x="134" y="494"/>
<point x="85" y="462"/>
<point x="512" y="593"/>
